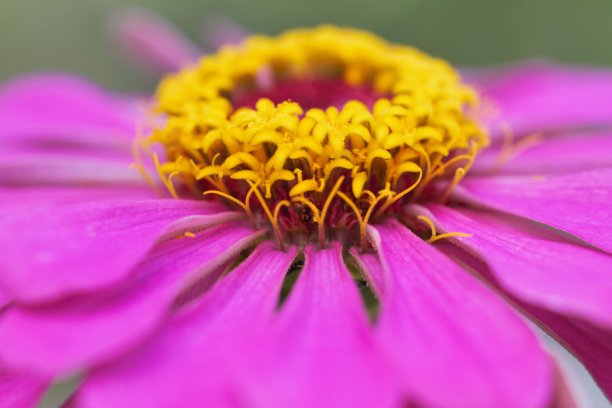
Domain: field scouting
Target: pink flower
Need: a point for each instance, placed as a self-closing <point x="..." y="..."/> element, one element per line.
<point x="164" y="302"/>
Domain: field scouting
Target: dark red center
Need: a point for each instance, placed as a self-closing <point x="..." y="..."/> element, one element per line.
<point x="310" y="93"/>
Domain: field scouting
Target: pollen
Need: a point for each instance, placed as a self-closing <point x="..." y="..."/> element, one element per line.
<point x="316" y="132"/>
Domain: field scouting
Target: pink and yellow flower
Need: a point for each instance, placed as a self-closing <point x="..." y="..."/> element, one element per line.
<point x="204" y="250"/>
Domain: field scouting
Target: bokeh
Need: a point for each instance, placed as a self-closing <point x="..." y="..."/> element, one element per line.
<point x="72" y="35"/>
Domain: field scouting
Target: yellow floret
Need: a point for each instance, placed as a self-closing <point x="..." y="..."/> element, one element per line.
<point x="418" y="130"/>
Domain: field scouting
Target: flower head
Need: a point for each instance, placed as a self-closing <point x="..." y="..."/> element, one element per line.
<point x="288" y="169"/>
<point x="328" y="140"/>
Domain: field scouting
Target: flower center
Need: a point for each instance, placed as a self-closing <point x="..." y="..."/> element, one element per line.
<point x="310" y="93"/>
<point x="317" y="132"/>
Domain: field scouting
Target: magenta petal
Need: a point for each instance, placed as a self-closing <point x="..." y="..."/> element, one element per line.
<point x="54" y="109"/>
<point x="558" y="276"/>
<point x="4" y="299"/>
<point x="76" y="333"/>
<point x="49" y="253"/>
<point x="30" y="169"/>
<point x="453" y="341"/>
<point x="576" y="203"/>
<point x="566" y="287"/>
<point x="591" y="344"/>
<point x="321" y="349"/>
<point x="19" y="390"/>
<point x="190" y="362"/>
<point x="24" y="199"/>
<point x="583" y="151"/>
<point x="534" y="98"/>
<point x="151" y="41"/>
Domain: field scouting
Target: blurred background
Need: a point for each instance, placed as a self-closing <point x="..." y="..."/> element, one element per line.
<point x="73" y="35"/>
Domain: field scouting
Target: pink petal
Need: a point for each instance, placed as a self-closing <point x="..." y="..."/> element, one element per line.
<point x="584" y="151"/>
<point x="4" y="299"/>
<point x="74" y="248"/>
<point x="321" y="350"/>
<point x="60" y="338"/>
<point x="19" y="390"/>
<point x="577" y="203"/>
<point x="539" y="97"/>
<point x="191" y="361"/>
<point x="558" y="276"/>
<point x="28" y="169"/>
<point x="62" y="109"/>
<point x="151" y="41"/>
<point x="591" y="344"/>
<point x="24" y="199"/>
<point x="453" y="341"/>
<point x="578" y="316"/>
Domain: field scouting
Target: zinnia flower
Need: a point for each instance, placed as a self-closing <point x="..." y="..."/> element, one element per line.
<point x="268" y="179"/>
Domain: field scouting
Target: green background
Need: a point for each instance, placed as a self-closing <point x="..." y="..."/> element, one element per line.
<point x="73" y="35"/>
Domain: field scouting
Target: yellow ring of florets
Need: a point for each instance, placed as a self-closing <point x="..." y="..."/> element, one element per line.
<point x="420" y="132"/>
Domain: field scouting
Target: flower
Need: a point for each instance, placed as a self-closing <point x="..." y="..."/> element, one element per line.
<point x="287" y="169"/>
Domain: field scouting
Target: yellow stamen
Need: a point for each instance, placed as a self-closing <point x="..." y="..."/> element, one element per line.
<point x="138" y="164"/>
<point x="449" y="235"/>
<point x="362" y="224"/>
<point x="459" y="173"/>
<point x="373" y="204"/>
<point x="401" y="194"/>
<point x="328" y="201"/>
<point x="435" y="236"/>
<point x="511" y="147"/>
<point x="271" y="218"/>
<point x="167" y="182"/>
<point x="242" y="205"/>
<point x="277" y="208"/>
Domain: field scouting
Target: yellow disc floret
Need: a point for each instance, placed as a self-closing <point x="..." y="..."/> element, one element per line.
<point x="330" y="166"/>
